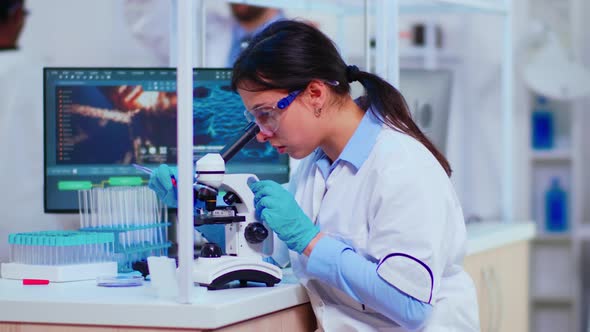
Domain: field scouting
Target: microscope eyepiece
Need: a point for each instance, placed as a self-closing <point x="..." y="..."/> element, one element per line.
<point x="209" y="196"/>
<point x="250" y="131"/>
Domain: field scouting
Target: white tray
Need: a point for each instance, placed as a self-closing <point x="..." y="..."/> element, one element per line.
<point x="58" y="273"/>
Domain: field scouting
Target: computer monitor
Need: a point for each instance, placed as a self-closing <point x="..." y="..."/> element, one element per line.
<point x="428" y="94"/>
<point x="98" y="121"/>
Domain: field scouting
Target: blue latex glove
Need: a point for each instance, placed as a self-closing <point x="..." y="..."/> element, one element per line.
<point x="277" y="207"/>
<point x="161" y="183"/>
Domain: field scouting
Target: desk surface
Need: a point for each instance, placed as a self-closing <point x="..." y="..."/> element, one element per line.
<point x="482" y="236"/>
<point x="85" y="303"/>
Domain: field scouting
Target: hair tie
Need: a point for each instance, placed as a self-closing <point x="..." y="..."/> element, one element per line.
<point x="351" y="72"/>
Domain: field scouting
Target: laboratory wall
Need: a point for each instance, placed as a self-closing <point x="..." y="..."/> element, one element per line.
<point x="83" y="33"/>
<point x="475" y="148"/>
<point x="585" y="166"/>
<point x="585" y="52"/>
<point x="486" y="107"/>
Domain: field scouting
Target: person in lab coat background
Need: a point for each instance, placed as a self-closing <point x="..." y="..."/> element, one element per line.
<point x="249" y="21"/>
<point x="226" y="34"/>
<point x="21" y="130"/>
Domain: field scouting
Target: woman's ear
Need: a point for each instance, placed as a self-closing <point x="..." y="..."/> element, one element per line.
<point x="317" y="93"/>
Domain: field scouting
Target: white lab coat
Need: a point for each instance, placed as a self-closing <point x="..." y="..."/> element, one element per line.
<point x="399" y="202"/>
<point x="21" y="150"/>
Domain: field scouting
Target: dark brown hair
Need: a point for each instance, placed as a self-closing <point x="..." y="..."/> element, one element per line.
<point x="289" y="54"/>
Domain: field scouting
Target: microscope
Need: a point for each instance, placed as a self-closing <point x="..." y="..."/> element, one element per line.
<point x="247" y="240"/>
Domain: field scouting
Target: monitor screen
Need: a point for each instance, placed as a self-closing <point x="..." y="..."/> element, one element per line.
<point x="98" y="121"/>
<point x="428" y="94"/>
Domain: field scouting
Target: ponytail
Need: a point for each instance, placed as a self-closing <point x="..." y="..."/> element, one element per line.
<point x="393" y="110"/>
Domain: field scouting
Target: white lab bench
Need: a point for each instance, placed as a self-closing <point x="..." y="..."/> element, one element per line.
<point x="82" y="306"/>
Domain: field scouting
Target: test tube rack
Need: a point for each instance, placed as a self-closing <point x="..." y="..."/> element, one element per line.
<point x="136" y="243"/>
<point x="60" y="256"/>
<point x="134" y="215"/>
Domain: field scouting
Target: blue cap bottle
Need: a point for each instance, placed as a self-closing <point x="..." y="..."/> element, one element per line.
<point x="555" y="208"/>
<point x="542" y="125"/>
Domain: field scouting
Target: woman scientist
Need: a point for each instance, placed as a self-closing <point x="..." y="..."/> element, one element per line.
<point x="375" y="228"/>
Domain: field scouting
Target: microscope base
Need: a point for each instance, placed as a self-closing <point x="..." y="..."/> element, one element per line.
<point x="215" y="272"/>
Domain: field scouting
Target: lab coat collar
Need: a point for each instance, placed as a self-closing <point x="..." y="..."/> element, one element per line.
<point x="9" y="58"/>
<point x="359" y="146"/>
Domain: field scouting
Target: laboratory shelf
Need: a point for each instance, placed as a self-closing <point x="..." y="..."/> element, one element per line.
<point x="548" y="238"/>
<point x="552" y="300"/>
<point x="582" y="231"/>
<point x="356" y="7"/>
<point x="557" y="155"/>
<point x="455" y="6"/>
<point x="333" y="7"/>
<point x="422" y="52"/>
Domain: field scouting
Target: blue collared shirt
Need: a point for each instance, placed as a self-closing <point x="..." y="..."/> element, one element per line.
<point x="358" y="148"/>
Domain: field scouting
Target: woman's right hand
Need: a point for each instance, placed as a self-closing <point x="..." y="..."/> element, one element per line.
<point x="161" y="183"/>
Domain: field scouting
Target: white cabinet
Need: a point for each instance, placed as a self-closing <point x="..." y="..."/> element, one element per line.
<point x="501" y="278"/>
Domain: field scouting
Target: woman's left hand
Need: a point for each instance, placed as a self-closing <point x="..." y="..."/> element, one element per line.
<point x="278" y="208"/>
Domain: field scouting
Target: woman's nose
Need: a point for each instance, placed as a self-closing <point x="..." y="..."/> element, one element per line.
<point x="263" y="136"/>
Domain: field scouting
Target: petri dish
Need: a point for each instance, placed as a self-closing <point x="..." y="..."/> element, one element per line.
<point x="119" y="281"/>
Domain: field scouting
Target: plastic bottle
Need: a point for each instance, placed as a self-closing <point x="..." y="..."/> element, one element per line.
<point x="556" y="208"/>
<point x="543" y="125"/>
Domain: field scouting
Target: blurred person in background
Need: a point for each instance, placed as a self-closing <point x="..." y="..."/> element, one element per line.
<point x="249" y="21"/>
<point x="226" y="35"/>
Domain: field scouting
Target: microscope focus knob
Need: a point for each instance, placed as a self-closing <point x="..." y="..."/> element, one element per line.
<point x="210" y="249"/>
<point x="255" y="233"/>
<point x="231" y="198"/>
